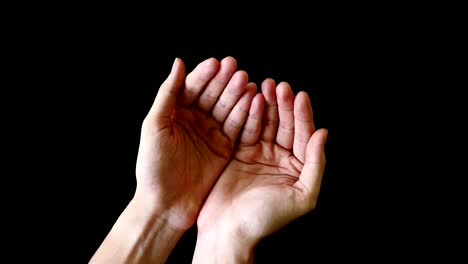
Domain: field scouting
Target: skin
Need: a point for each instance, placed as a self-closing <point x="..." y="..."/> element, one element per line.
<point x="187" y="139"/>
<point x="212" y="151"/>
<point x="185" y="147"/>
<point x="273" y="178"/>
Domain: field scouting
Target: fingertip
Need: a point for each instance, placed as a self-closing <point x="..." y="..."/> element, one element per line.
<point x="318" y="139"/>
<point x="268" y="90"/>
<point x="303" y="95"/>
<point x="240" y="80"/>
<point x="204" y="71"/>
<point x="258" y="105"/>
<point x="250" y="91"/>
<point x="259" y="98"/>
<point x="325" y="135"/>
<point x="242" y="75"/>
<point x="251" y="86"/>
<point x="268" y="84"/>
<point x="227" y="67"/>
<point x="302" y="105"/>
<point x="229" y="59"/>
<point x="176" y="65"/>
<point x="212" y="65"/>
<point x="283" y="91"/>
<point x="212" y="60"/>
<point x="166" y="97"/>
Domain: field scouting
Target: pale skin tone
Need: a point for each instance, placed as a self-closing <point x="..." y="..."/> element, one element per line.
<point x="273" y="178"/>
<point x="210" y="124"/>
<point x="187" y="139"/>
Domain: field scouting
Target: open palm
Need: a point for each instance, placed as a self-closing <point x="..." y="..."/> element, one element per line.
<point x="275" y="174"/>
<point x="188" y="136"/>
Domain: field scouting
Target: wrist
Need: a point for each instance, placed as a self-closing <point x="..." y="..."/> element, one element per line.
<point x="222" y="247"/>
<point x="179" y="215"/>
<point x="140" y="235"/>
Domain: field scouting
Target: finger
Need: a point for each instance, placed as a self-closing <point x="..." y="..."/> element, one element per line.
<point x="165" y="101"/>
<point x="236" y="118"/>
<point x="303" y="125"/>
<point x="314" y="166"/>
<point x="197" y="80"/>
<point x="230" y="96"/>
<point x="216" y="86"/>
<point x="285" y="135"/>
<point x="253" y="125"/>
<point x="271" y="118"/>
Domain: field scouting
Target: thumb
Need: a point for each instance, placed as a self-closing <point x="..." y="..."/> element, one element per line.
<point x="165" y="101"/>
<point x="312" y="172"/>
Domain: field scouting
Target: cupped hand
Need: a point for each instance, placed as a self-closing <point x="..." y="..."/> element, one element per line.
<point x="188" y="137"/>
<point x="276" y="171"/>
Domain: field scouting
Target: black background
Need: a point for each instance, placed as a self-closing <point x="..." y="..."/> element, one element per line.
<point x="93" y="72"/>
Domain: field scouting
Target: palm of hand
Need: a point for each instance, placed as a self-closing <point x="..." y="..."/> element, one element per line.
<point x="194" y="149"/>
<point x="257" y="187"/>
<point x="188" y="138"/>
<point x="264" y="187"/>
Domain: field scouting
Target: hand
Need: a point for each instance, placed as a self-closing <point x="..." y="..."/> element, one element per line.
<point x="188" y="137"/>
<point x="273" y="178"/>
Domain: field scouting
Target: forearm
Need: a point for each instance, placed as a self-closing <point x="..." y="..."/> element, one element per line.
<point x="217" y="247"/>
<point x="140" y="235"/>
